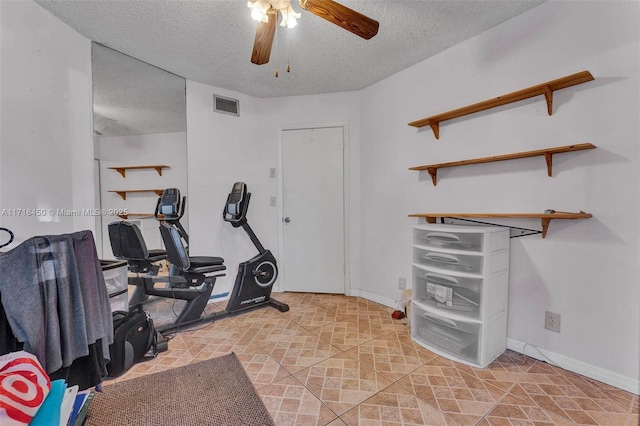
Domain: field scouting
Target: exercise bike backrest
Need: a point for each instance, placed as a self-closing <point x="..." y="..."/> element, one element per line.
<point x="177" y="253"/>
<point x="170" y="206"/>
<point x="235" y="210"/>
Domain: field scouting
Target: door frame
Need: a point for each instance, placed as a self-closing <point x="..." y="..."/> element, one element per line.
<point x="346" y="167"/>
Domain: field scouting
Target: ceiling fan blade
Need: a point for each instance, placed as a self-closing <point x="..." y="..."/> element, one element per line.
<point x="342" y="16"/>
<point x="264" y="38"/>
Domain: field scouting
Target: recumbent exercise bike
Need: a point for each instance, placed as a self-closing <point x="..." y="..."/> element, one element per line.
<point x="192" y="278"/>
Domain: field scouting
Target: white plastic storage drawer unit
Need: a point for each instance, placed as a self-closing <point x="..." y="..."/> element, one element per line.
<point x="115" y="278"/>
<point x="460" y="287"/>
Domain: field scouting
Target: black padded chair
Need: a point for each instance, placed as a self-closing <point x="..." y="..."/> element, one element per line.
<point x="127" y="244"/>
<point x="191" y="277"/>
<point x="193" y="267"/>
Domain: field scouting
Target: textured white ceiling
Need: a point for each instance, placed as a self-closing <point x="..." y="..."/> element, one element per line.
<point x="211" y="41"/>
<point x="131" y="97"/>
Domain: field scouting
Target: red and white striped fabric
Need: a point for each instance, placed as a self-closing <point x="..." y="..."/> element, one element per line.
<point x="24" y="385"/>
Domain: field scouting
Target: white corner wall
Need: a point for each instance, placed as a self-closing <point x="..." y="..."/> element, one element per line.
<point x="224" y="149"/>
<point x="586" y="270"/>
<point x="45" y="123"/>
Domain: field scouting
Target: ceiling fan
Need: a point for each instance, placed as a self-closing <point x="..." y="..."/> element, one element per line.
<point x="337" y="14"/>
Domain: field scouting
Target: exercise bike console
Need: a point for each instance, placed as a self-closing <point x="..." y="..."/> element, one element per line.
<point x="237" y="204"/>
<point x="170" y="205"/>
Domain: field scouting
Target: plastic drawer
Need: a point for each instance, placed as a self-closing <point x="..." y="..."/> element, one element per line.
<point x="476" y="344"/>
<point x="471" y="297"/>
<point x="119" y="301"/>
<point x="463" y="238"/>
<point x="460" y="295"/>
<point x="456" y="338"/>
<point x="458" y="262"/>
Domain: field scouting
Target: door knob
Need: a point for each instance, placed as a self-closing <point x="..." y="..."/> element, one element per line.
<point x="287" y="220"/>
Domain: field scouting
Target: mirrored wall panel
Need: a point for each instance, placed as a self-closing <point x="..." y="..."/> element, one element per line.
<point x="140" y="138"/>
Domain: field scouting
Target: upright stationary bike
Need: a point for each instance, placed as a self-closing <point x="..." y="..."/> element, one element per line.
<point x="257" y="275"/>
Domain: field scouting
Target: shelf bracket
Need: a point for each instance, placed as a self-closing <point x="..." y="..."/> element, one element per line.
<point x="548" y="96"/>
<point x="545" y="226"/>
<point x="158" y="192"/>
<point x="435" y="126"/>
<point x="433" y="171"/>
<point x="123" y="194"/>
<point x="122" y="171"/>
<point x="159" y="170"/>
<point x="545" y="218"/>
<point x="514" y="231"/>
<point x="548" y="157"/>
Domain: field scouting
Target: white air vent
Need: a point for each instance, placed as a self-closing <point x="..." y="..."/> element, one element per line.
<point x="226" y="105"/>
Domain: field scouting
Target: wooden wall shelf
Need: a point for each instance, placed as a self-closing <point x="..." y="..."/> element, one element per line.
<point x="545" y="89"/>
<point x="123" y="192"/>
<point x="432" y="169"/>
<point x="545" y="217"/>
<point x="123" y="169"/>
<point x="140" y="215"/>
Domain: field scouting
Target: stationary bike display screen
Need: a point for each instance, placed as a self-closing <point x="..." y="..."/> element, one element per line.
<point x="169" y="204"/>
<point x="236" y="199"/>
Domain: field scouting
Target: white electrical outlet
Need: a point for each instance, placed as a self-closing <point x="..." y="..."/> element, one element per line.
<point x="552" y="321"/>
<point x="272" y="172"/>
<point x="402" y="283"/>
<point x="272" y="201"/>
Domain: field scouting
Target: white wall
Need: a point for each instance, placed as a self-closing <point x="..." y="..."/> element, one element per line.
<point x="224" y="149"/>
<point x="46" y="124"/>
<point x="586" y="270"/>
<point x="162" y="148"/>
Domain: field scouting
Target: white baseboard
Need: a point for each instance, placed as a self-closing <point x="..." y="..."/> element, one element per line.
<point x="374" y="298"/>
<point x="614" y="379"/>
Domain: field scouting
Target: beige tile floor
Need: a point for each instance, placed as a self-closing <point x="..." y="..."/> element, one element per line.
<point x="338" y="360"/>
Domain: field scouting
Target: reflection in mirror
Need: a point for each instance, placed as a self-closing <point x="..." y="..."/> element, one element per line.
<point x="139" y="114"/>
<point x="131" y="97"/>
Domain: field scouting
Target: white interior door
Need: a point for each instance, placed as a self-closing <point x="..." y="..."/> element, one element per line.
<point x="313" y="231"/>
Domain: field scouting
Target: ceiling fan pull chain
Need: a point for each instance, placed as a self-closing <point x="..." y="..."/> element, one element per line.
<point x="277" y="73"/>
<point x="288" y="67"/>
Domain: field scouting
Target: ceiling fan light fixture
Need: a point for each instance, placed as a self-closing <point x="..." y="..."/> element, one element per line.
<point x="258" y="10"/>
<point x="289" y="17"/>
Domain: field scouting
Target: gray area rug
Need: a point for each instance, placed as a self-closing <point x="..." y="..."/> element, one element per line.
<point x="212" y="392"/>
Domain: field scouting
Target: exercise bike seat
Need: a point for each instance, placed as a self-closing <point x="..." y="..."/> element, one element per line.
<point x="199" y="261"/>
<point x="127" y="244"/>
<point x="177" y="254"/>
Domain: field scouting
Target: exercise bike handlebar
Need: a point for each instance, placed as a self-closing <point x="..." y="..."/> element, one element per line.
<point x="169" y="207"/>
<point x="235" y="212"/>
<point x="235" y="209"/>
